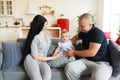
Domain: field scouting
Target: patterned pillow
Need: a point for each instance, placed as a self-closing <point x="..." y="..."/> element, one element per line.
<point x="11" y="55"/>
<point x="114" y="50"/>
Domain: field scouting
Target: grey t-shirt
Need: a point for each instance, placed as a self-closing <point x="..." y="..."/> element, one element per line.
<point x="40" y="46"/>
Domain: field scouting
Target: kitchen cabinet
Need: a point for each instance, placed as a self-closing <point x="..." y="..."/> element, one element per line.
<point x="9" y="34"/>
<point x="6" y="8"/>
<point x="55" y="32"/>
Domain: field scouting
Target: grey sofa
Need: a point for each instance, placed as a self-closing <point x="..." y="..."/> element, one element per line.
<point x="18" y="73"/>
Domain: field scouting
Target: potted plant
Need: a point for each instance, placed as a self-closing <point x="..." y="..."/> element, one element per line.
<point x="61" y="15"/>
<point x="52" y="12"/>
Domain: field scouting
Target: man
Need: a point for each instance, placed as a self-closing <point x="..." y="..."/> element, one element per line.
<point x="95" y="58"/>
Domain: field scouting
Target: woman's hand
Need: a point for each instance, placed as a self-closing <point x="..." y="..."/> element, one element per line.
<point x="55" y="56"/>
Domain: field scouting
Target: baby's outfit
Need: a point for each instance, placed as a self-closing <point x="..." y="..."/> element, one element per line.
<point x="64" y="46"/>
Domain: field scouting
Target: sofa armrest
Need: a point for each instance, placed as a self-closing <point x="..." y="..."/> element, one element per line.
<point x="114" y="50"/>
<point x="1" y="59"/>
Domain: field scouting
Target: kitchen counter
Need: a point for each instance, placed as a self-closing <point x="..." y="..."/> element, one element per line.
<point x="14" y="27"/>
<point x="22" y="32"/>
<point x="9" y="27"/>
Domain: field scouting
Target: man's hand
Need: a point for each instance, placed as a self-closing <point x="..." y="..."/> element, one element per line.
<point x="69" y="52"/>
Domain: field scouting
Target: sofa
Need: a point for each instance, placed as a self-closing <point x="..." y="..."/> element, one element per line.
<point x="15" y="70"/>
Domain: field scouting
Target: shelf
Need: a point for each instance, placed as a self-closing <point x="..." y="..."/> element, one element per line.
<point x="46" y="10"/>
<point x="44" y="7"/>
<point x="47" y="13"/>
<point x="55" y="32"/>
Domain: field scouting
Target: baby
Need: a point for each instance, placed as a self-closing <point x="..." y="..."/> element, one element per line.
<point x="63" y="45"/>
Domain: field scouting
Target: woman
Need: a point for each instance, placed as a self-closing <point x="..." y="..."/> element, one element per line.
<point x="37" y="44"/>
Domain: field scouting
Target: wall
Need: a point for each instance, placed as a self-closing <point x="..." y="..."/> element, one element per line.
<point x="70" y="8"/>
<point x="115" y="18"/>
<point x="109" y="16"/>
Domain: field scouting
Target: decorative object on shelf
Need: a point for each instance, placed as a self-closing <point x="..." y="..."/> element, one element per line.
<point x="63" y="23"/>
<point x="118" y="39"/>
<point x="61" y="15"/>
<point x="19" y="21"/>
<point x="6" y="24"/>
<point x="46" y="10"/>
<point x="16" y="23"/>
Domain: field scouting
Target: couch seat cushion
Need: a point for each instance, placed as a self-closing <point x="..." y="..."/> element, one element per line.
<point x="87" y="77"/>
<point x="1" y="76"/>
<point x="58" y="74"/>
<point x="16" y="73"/>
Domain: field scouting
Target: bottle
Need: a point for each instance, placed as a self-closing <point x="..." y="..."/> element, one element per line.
<point x="6" y="24"/>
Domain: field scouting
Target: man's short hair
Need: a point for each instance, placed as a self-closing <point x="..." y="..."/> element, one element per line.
<point x="86" y="16"/>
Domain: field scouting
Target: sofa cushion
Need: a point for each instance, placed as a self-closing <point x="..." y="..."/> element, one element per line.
<point x="108" y="35"/>
<point x="114" y="50"/>
<point x="58" y="74"/>
<point x="55" y="41"/>
<point x="51" y="50"/>
<point x="60" y="62"/>
<point x="22" y="42"/>
<point x="17" y="73"/>
<point x="1" y="76"/>
<point x="11" y="55"/>
<point x="78" y="46"/>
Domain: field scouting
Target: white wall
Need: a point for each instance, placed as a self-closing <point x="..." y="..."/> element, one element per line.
<point x="104" y="14"/>
<point x="115" y="18"/>
<point x="70" y="8"/>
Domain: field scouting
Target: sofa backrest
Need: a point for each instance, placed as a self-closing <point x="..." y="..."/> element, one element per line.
<point x="22" y="41"/>
<point x="1" y="59"/>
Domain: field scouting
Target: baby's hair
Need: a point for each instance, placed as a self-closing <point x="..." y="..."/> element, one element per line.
<point x="64" y="31"/>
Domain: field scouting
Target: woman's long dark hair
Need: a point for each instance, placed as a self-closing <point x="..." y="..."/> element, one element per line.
<point x="35" y="28"/>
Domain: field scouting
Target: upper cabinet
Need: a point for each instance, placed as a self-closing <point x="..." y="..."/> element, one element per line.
<point x="6" y="8"/>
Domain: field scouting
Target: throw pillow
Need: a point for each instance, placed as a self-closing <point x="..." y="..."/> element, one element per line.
<point x="22" y="41"/>
<point x="55" y="41"/>
<point x="11" y="55"/>
<point x="60" y="62"/>
<point x="51" y="50"/>
<point x="114" y="50"/>
<point x="78" y="46"/>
